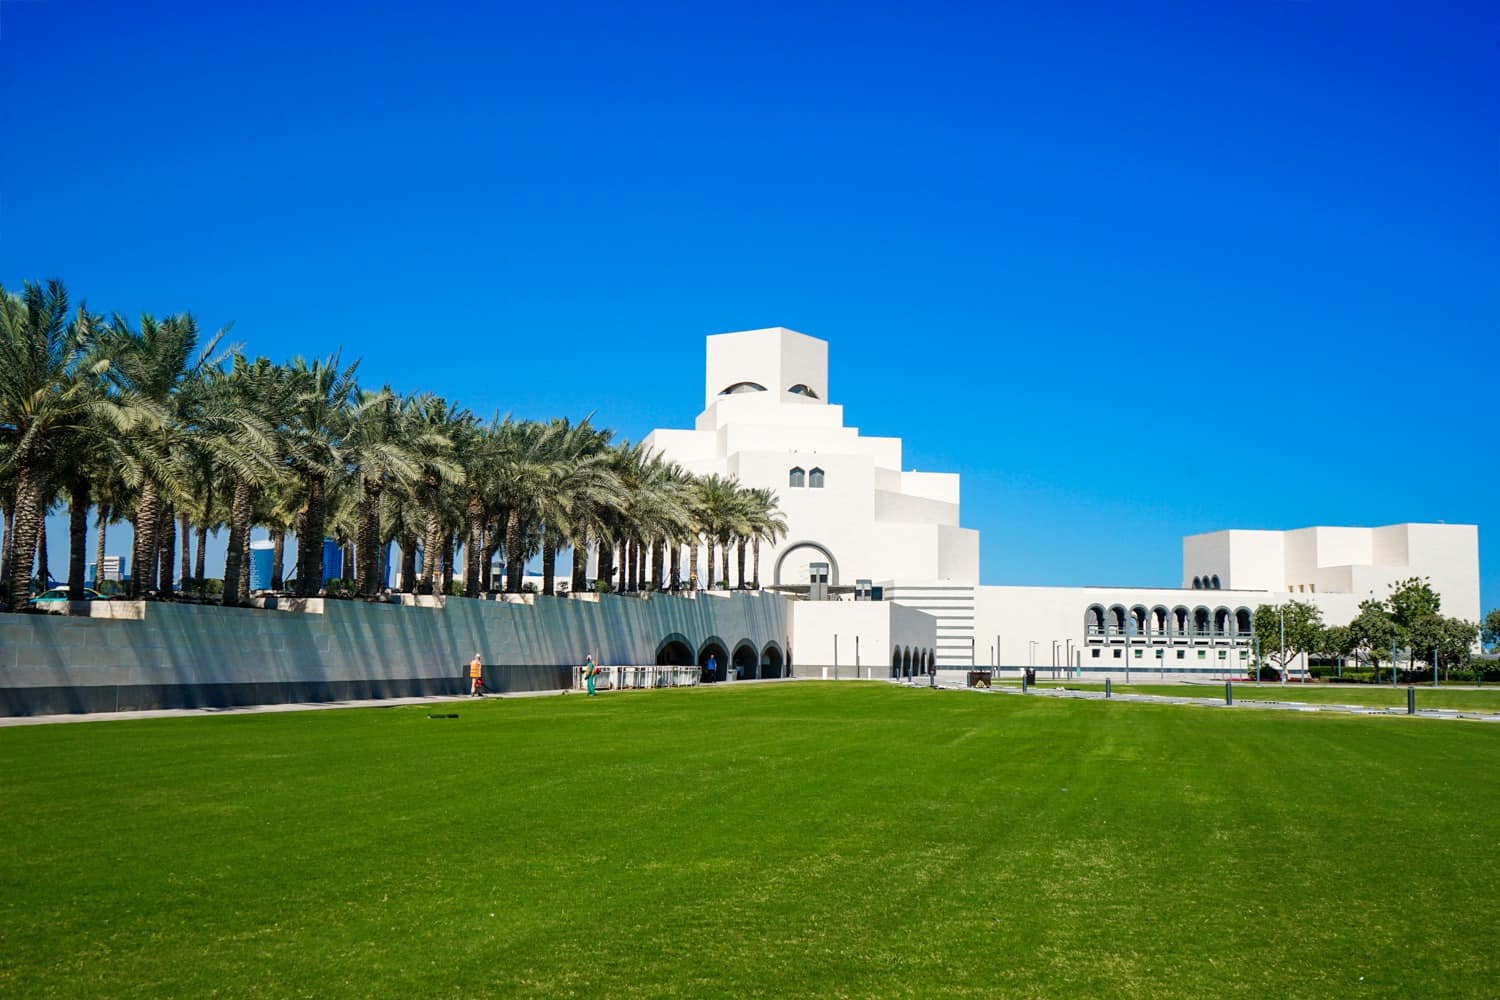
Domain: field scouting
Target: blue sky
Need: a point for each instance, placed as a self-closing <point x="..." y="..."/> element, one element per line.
<point x="1135" y="270"/>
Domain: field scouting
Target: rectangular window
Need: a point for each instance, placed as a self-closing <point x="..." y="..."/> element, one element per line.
<point x="1222" y="654"/>
<point x="1180" y="653"/>
<point x="815" y="479"/>
<point x="1244" y="655"/>
<point x="1095" y="652"/>
<point x="1117" y="654"/>
<point x="1160" y="653"/>
<point x="1202" y="654"/>
<point x="1137" y="654"/>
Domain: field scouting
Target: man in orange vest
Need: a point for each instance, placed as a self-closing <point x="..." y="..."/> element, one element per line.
<point x="476" y="676"/>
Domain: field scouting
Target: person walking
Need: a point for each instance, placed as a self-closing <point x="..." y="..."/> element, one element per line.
<point x="476" y="676"/>
<point x="590" y="671"/>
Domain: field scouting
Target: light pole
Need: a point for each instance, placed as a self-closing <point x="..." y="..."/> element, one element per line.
<point x="1055" y="664"/>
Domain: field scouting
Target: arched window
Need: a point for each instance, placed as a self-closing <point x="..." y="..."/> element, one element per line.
<point x="803" y="389"/>
<point x="739" y="387"/>
<point x="815" y="479"/>
<point x="1216" y="582"/>
<point x="797" y="477"/>
<point x="1197" y="583"/>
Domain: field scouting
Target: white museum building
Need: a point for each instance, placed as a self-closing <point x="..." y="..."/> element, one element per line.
<point x="888" y="579"/>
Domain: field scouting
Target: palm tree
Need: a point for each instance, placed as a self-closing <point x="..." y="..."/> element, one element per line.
<point x="767" y="525"/>
<point x="435" y="423"/>
<point x="48" y="382"/>
<point x="314" y="450"/>
<point x="233" y="428"/>
<point x="158" y="370"/>
<point x="381" y="449"/>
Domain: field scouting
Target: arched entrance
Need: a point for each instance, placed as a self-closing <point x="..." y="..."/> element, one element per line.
<point x="746" y="661"/>
<point x="896" y="663"/>
<point x="674" y="651"/>
<point x="770" y="660"/>
<point x="714" y="647"/>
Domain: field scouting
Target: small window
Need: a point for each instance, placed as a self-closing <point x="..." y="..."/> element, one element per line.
<point x="1202" y="654"/>
<point x="803" y="389"/>
<point x="815" y="479"/>
<point x="1095" y="652"/>
<point x="1216" y="582"/>
<point x="797" y="477"/>
<point x="1244" y="655"/>
<point x="1180" y="653"/>
<point x="1137" y="654"/>
<point x="1223" y="654"/>
<point x="739" y="387"/>
<point x="1117" y="654"/>
<point x="1160" y="653"/>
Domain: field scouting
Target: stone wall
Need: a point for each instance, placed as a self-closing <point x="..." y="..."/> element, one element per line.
<point x="192" y="656"/>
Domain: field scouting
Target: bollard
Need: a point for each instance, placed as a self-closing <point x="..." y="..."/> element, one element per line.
<point x="1108" y="689"/>
<point x="1229" y="692"/>
<point x="1411" y="701"/>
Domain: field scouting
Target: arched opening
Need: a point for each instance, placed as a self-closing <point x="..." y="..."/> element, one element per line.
<point x="674" y="651"/>
<point x="713" y="649"/>
<point x="1117" y="619"/>
<point x="797" y="477"/>
<point x="1215" y="581"/>
<point x="770" y="660"/>
<point x="921" y="663"/>
<point x="896" y="663"/>
<point x="906" y="662"/>
<point x="803" y="389"/>
<point x="746" y="661"/>
<point x="833" y="564"/>
<point x="1093" y="620"/>
<point x="739" y="387"/>
<point x="1242" y="624"/>
<point x="1222" y="621"/>
<point x="1179" y="620"/>
<point x="815" y="479"/>
<point x="1159" y="620"/>
<point x="1197" y="583"/>
<point x="1138" y="620"/>
<point x="1200" y="621"/>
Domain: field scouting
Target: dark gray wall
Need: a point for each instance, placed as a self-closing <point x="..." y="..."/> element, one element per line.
<point x="186" y="655"/>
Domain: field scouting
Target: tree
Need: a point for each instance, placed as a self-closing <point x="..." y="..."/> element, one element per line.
<point x="1303" y="630"/>
<point x="1491" y="628"/>
<point x="320" y="398"/>
<point x="1373" y="631"/>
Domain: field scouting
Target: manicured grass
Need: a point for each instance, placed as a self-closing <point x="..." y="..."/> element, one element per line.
<point x="1483" y="699"/>
<point x="771" y="840"/>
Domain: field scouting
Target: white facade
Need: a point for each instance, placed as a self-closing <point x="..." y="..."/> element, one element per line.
<point x="767" y="421"/>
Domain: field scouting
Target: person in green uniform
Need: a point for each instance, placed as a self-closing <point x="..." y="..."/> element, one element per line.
<point x="590" y="671"/>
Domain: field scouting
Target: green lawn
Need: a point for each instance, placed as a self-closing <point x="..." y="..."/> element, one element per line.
<point x="1484" y="699"/>
<point x="771" y="840"/>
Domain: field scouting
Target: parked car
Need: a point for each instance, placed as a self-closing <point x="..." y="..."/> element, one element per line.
<point x="57" y="598"/>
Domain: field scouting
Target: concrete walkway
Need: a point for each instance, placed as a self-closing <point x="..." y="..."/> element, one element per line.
<point x="1244" y="697"/>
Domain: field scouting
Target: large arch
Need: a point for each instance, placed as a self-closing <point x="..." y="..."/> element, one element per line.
<point x="715" y="647"/>
<point x="896" y="662"/>
<point x="1202" y="621"/>
<point x="1138" y="619"/>
<point x="1223" y="621"/>
<point x="1159" y="616"/>
<point x="674" y="651"/>
<point x="906" y="662"/>
<point x="1180" y="618"/>
<point x="1093" y="619"/>
<point x="1117" y="619"/>
<point x="833" y="564"/>
<point x="1242" y="622"/>
<point x="745" y="660"/>
<point x="771" y="660"/>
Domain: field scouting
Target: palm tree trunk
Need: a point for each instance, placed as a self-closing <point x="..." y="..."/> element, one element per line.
<point x="185" y="532"/>
<point x="755" y="562"/>
<point x="605" y="571"/>
<point x="10" y="538"/>
<point x="369" y="537"/>
<point x="741" y="556"/>
<point x="549" y="560"/>
<point x="409" y="563"/>
<point x="448" y="561"/>
<point x="658" y="561"/>
<point x="239" y="530"/>
<point x="640" y="564"/>
<point x="198" y="570"/>
<point x="692" y="579"/>
<point x="20" y="537"/>
<point x="103" y="514"/>
<point x="43" y="570"/>
<point x="475" y="546"/>
<point x="580" y="574"/>
<point x="434" y="533"/>
<point x="310" y="541"/>
<point x="143" y="552"/>
<point x="624" y="549"/>
<point x="515" y="554"/>
<point x="725" y="550"/>
<point x="278" y="557"/>
<point x="709" y="583"/>
<point x="78" y="537"/>
<point x="168" y="533"/>
<point x="632" y="564"/>
<point x="245" y="562"/>
<point x="674" y="571"/>
<point x="492" y="544"/>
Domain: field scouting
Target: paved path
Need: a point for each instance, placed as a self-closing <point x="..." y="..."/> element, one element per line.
<point x="1243" y="698"/>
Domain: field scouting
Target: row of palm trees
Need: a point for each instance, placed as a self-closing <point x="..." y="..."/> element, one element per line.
<point x="180" y="435"/>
